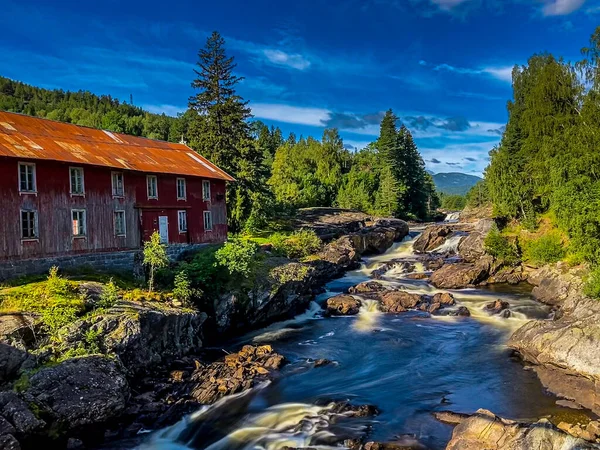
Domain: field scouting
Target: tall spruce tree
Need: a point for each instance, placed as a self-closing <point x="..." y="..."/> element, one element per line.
<point x="220" y="130"/>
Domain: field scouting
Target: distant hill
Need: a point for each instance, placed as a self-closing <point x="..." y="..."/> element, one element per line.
<point x="454" y="182"/>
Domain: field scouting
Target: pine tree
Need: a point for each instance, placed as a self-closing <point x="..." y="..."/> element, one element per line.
<point x="220" y="129"/>
<point x="386" y="200"/>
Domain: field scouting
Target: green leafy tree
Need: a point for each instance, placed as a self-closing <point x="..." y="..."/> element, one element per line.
<point x="220" y="128"/>
<point x="155" y="257"/>
<point x="238" y="256"/>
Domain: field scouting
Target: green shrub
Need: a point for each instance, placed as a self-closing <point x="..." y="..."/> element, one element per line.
<point x="182" y="290"/>
<point x="546" y="249"/>
<point x="57" y="316"/>
<point x="592" y="284"/>
<point x="500" y="248"/>
<point x="237" y="256"/>
<point x="298" y="244"/>
<point x="109" y="296"/>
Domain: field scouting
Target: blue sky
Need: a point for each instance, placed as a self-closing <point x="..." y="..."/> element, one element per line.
<point x="442" y="65"/>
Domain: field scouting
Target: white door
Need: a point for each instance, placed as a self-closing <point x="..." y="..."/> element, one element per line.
<point x="163" y="229"/>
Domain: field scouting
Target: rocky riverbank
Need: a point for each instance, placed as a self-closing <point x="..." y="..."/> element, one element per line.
<point x="135" y="365"/>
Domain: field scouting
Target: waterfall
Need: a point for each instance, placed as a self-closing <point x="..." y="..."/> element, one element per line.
<point x="450" y="245"/>
<point x="452" y="217"/>
<point x="367" y="316"/>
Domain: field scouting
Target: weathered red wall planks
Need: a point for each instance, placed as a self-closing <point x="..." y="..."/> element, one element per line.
<point x="54" y="203"/>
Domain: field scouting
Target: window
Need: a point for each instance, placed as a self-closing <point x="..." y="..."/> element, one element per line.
<point x="181" y="191"/>
<point x="206" y="190"/>
<point x="117" y="184"/>
<point x="27" y="177"/>
<point x="207" y="221"/>
<point x="77" y="187"/>
<point x="152" y="186"/>
<point x="120" y="223"/>
<point x="29" y="225"/>
<point x="78" y="222"/>
<point x="182" y="221"/>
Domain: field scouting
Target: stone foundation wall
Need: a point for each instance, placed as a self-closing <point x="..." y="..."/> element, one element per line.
<point x="121" y="261"/>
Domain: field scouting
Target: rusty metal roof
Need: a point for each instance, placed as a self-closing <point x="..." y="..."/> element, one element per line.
<point x="29" y="137"/>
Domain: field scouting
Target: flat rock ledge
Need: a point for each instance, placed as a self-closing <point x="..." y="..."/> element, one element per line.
<point x="486" y="431"/>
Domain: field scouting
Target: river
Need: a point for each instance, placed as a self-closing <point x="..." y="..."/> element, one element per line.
<point x="407" y="365"/>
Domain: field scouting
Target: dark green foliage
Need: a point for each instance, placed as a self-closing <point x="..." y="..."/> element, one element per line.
<point x="453" y="202"/>
<point x="238" y="256"/>
<point x="546" y="249"/>
<point x="500" y="247"/>
<point x="86" y="109"/>
<point x="478" y="195"/>
<point x="220" y="130"/>
<point x="548" y="159"/>
<point x="592" y="284"/>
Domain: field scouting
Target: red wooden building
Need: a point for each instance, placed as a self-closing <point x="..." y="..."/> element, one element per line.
<point x="67" y="189"/>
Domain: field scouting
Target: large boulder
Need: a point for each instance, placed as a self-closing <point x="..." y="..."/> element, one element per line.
<point x="569" y="343"/>
<point x="554" y="283"/>
<point x="343" y="305"/>
<point x="140" y="336"/>
<point x="432" y="237"/>
<point x="472" y="248"/>
<point x="11" y="361"/>
<point x="17" y="329"/>
<point x="461" y="275"/>
<point x="399" y="301"/>
<point x="486" y="431"/>
<point x="78" y="392"/>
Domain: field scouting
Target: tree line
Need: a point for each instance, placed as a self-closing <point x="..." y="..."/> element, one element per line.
<point x="274" y="175"/>
<point x="548" y="163"/>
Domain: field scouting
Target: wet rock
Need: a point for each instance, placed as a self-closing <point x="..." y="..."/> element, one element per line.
<point x="399" y="301"/>
<point x="497" y="307"/>
<point x="322" y="362"/>
<point x="486" y="431"/>
<point x="433" y="263"/>
<point x="404" y="443"/>
<point x="432" y="237"/>
<point x="510" y="275"/>
<point x="461" y="311"/>
<point x="367" y="287"/>
<point x="433" y="308"/>
<point x="343" y="305"/>
<point x="461" y="275"/>
<point x="417" y="276"/>
<point x="17" y="413"/>
<point x="80" y="391"/>
<point x="11" y="361"/>
<point x="354" y="410"/>
<point x="9" y="442"/>
<point x="450" y="417"/>
<point x="130" y="331"/>
<point x="444" y="298"/>
<point x="236" y="373"/>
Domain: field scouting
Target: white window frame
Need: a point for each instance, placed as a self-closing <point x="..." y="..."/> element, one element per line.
<point x="115" y="193"/>
<point x="179" y="214"/>
<point x="82" y="193"/>
<point x="124" y="233"/>
<point x="179" y="197"/>
<point x="84" y="235"/>
<point x="155" y="178"/>
<point x="209" y="215"/>
<point x="34" y="178"/>
<point x="206" y="190"/>
<point x="36" y="235"/>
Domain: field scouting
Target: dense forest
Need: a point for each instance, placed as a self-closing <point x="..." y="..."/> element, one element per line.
<point x="274" y="175"/>
<point x="546" y="168"/>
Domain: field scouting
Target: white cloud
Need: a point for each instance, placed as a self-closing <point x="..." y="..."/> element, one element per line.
<point x="458" y="157"/>
<point x="501" y="73"/>
<point x="561" y="7"/>
<point x="169" y="110"/>
<point x="290" y="114"/>
<point x="447" y="5"/>
<point x="281" y="58"/>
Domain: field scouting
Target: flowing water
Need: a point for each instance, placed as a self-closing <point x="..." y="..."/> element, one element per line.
<point x="408" y="365"/>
